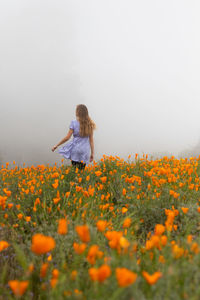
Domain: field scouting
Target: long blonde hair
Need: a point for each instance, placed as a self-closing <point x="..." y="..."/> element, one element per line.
<point x="86" y="124"/>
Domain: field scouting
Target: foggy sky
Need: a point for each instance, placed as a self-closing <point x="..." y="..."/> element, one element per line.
<point x="135" y="64"/>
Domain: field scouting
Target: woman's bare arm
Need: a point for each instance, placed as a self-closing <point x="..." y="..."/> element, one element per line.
<point x="91" y="146"/>
<point x="65" y="139"/>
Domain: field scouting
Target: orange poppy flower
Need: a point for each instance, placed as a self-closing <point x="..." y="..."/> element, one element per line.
<point x="100" y="274"/>
<point x="163" y="240"/>
<point x="151" y="279"/>
<point x="53" y="282"/>
<point x="195" y="248"/>
<point x="20" y="216"/>
<point x="161" y="259"/>
<point x="103" y="179"/>
<point x="56" y="200"/>
<point x="55" y="175"/>
<point x="101" y="225"/>
<point x="3" y="245"/>
<point x="185" y="209"/>
<point x="55" y="273"/>
<point x="79" y="248"/>
<point x="98" y="173"/>
<point x="43" y="269"/>
<point x="125" y="277"/>
<point x="18" y="287"/>
<point x="124" y="243"/>
<point x="8" y="193"/>
<point x="127" y="223"/>
<point x="93" y="274"/>
<point x="10" y="205"/>
<point x="30" y="269"/>
<point x="84" y="233"/>
<point x="55" y="184"/>
<point x="124" y="210"/>
<point x="42" y="244"/>
<point x="159" y="229"/>
<point x="114" y="238"/>
<point x="73" y="275"/>
<point x="93" y="253"/>
<point x="78" y="188"/>
<point x="189" y="238"/>
<point x="62" y="226"/>
<point x="124" y="192"/>
<point x="67" y="194"/>
<point x="91" y="191"/>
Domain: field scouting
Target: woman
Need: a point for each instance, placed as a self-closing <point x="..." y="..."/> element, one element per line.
<point x="81" y="149"/>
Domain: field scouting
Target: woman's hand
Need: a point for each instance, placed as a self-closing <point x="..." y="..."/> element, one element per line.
<point x="54" y="148"/>
<point x="91" y="157"/>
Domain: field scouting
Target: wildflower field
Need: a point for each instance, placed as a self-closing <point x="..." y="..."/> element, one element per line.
<point x="116" y="230"/>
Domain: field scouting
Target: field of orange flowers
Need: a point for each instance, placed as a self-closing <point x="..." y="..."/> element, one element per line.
<point x="117" y="230"/>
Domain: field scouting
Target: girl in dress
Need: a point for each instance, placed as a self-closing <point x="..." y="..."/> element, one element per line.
<point x="81" y="149"/>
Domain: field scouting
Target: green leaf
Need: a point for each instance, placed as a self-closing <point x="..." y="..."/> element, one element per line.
<point x="21" y="257"/>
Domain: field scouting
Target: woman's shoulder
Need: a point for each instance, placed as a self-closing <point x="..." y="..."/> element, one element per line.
<point x="74" y="124"/>
<point x="74" y="121"/>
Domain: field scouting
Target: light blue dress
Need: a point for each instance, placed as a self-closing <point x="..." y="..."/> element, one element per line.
<point x="79" y="148"/>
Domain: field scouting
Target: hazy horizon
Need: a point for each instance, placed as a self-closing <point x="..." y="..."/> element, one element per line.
<point x="135" y="64"/>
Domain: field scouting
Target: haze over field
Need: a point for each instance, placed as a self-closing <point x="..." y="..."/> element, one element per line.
<point x="135" y="64"/>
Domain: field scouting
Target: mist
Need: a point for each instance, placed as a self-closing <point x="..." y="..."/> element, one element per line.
<point x="135" y="64"/>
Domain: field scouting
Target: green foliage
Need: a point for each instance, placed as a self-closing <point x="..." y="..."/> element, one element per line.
<point x="112" y="190"/>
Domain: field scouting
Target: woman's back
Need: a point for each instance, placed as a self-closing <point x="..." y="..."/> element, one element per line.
<point x="75" y="126"/>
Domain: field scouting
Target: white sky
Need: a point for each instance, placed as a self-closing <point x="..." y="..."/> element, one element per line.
<point x="135" y="64"/>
